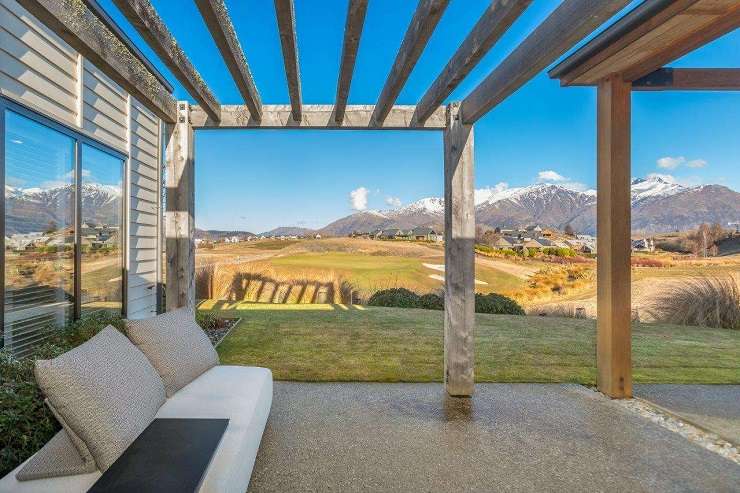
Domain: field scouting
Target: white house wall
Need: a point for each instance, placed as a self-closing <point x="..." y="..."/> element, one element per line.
<point x="39" y="70"/>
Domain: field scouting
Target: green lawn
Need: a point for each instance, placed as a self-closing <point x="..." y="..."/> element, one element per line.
<point x="339" y="343"/>
<point x="369" y="273"/>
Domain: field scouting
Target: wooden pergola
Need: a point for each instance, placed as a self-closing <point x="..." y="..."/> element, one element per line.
<point x="628" y="55"/>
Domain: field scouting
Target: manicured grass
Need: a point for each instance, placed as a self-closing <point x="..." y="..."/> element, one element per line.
<point x="341" y="343"/>
<point x="369" y="273"/>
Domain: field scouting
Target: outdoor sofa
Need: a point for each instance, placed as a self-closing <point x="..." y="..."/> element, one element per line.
<point x="108" y="390"/>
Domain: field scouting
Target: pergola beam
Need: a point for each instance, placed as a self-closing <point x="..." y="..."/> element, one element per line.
<point x="721" y="25"/>
<point x="218" y="22"/>
<point x="285" y="12"/>
<point x="427" y="15"/>
<point x="356" y="117"/>
<point x="494" y="22"/>
<point x="567" y="25"/>
<point x="144" y="18"/>
<point x="690" y="79"/>
<point x="85" y="32"/>
<point x="352" y="33"/>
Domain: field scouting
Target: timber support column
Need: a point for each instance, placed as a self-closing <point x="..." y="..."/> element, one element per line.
<point x="613" y="344"/>
<point x="180" y="213"/>
<point x="459" y="324"/>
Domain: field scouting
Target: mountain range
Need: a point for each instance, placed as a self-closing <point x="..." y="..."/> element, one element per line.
<point x="35" y="209"/>
<point x="658" y="205"/>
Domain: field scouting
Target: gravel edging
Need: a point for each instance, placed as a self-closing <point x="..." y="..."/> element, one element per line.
<point x="219" y="334"/>
<point x="692" y="433"/>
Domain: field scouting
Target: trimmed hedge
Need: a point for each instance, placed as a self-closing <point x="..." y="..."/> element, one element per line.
<point x="404" y="298"/>
<point x="496" y="304"/>
<point x="394" y="297"/>
<point x="431" y="301"/>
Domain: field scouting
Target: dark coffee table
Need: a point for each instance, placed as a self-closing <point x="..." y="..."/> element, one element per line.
<point x="170" y="455"/>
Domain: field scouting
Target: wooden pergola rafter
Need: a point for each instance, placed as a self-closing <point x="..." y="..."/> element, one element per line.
<point x="631" y="54"/>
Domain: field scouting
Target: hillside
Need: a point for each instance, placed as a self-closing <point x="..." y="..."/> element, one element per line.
<point x="289" y="231"/>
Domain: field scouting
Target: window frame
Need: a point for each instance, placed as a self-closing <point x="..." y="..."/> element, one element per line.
<point x="79" y="138"/>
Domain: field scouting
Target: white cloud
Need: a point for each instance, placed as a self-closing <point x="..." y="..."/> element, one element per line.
<point x="549" y="175"/>
<point x="358" y="198"/>
<point x="669" y="162"/>
<point x="393" y="201"/>
<point x="487" y="193"/>
<point x="696" y="163"/>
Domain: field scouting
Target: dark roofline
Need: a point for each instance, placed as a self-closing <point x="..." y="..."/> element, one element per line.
<point x="106" y="19"/>
<point x="634" y="18"/>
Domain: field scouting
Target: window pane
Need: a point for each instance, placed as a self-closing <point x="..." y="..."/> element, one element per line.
<point x="39" y="230"/>
<point x="102" y="258"/>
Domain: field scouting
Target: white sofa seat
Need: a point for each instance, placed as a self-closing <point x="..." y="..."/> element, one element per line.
<point x="242" y="394"/>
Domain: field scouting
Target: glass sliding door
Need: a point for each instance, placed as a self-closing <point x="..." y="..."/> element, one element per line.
<point x="39" y="230"/>
<point x="101" y="232"/>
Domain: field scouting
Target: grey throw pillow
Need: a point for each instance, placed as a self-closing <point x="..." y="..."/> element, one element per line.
<point x="106" y="392"/>
<point x="176" y="345"/>
<point x="58" y="457"/>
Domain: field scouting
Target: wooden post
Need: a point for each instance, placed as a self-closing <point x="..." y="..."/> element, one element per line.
<point x="459" y="255"/>
<point x="180" y="211"/>
<point x="614" y="345"/>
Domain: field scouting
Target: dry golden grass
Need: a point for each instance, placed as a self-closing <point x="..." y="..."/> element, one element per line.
<point x="708" y="301"/>
<point x="260" y="282"/>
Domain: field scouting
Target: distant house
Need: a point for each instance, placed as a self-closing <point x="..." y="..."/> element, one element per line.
<point x="545" y="242"/>
<point x="389" y="234"/>
<point x="643" y="245"/>
<point x="532" y="244"/>
<point x="533" y="231"/>
<point x="504" y="243"/>
<point x="424" y="234"/>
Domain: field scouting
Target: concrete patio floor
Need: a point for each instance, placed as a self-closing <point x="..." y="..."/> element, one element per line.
<point x="509" y="437"/>
<point x="715" y="408"/>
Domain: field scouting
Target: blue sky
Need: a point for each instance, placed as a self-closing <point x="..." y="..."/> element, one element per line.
<point x="256" y="180"/>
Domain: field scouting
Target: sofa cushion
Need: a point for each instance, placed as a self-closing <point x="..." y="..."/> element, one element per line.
<point x="242" y="394"/>
<point x="105" y="390"/>
<point x="76" y="441"/>
<point x="176" y="346"/>
<point x="59" y="457"/>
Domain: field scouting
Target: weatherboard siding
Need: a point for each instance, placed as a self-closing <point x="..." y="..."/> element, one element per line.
<point x="36" y="66"/>
<point x="144" y="223"/>
<point x="41" y="71"/>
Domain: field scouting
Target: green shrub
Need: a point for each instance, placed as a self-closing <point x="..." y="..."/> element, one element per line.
<point x="26" y="424"/>
<point x="207" y="320"/>
<point x="559" y="251"/>
<point x="431" y="301"/>
<point x="394" y="297"/>
<point x="497" y="304"/>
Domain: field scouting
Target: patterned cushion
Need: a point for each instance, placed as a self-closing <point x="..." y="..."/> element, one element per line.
<point x="105" y="390"/>
<point x="81" y="447"/>
<point x="58" y="457"/>
<point x="176" y="345"/>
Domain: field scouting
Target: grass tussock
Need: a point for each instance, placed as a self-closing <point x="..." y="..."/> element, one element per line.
<point x="708" y="301"/>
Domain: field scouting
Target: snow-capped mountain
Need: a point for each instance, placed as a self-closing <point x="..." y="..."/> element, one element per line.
<point x="658" y="205"/>
<point x="653" y="187"/>
<point x="34" y="209"/>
